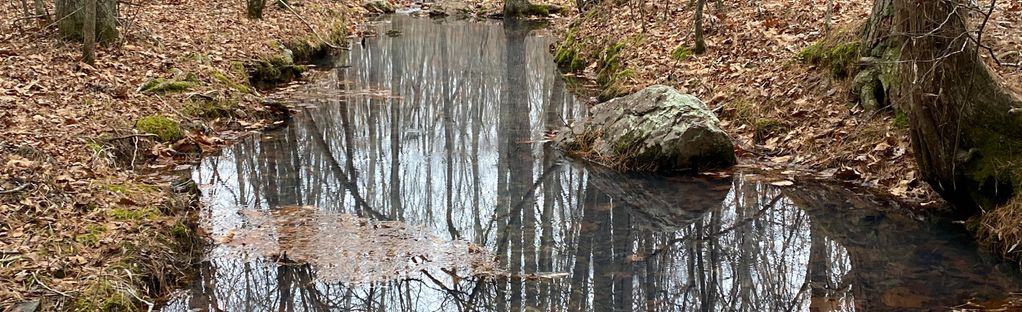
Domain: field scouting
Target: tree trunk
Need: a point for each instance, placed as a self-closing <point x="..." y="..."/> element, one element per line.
<point x="700" y="42"/>
<point x="71" y="15"/>
<point x="89" y="32"/>
<point x="966" y="140"/>
<point x="876" y="85"/>
<point x="255" y="8"/>
<point x="516" y="8"/>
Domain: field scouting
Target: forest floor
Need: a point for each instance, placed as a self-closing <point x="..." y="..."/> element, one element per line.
<point x="89" y="217"/>
<point x="782" y="113"/>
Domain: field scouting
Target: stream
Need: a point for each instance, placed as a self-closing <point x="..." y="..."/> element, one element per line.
<point x="417" y="178"/>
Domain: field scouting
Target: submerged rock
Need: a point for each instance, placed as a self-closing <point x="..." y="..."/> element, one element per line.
<point x="656" y="129"/>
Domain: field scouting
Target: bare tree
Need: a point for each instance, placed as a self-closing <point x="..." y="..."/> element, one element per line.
<point x="89" y="33"/>
<point x="700" y="42"/>
<point x="964" y="133"/>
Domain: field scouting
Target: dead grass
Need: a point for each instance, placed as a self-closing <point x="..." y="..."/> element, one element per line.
<point x="1001" y="229"/>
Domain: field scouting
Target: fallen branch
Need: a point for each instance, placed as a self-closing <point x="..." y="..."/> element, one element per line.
<point x="131" y="136"/>
<point x="313" y="29"/>
<point x="14" y="190"/>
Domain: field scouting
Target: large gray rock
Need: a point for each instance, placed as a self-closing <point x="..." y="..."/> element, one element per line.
<point x="656" y="129"/>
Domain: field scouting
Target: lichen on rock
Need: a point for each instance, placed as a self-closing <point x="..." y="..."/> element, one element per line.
<point x="656" y="129"/>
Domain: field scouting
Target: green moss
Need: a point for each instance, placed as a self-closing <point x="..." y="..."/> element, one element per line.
<point x="765" y="127"/>
<point x="165" y="129"/>
<point x="160" y="86"/>
<point x="900" y="120"/>
<point x="567" y="55"/>
<point x="218" y="107"/>
<point x="240" y="86"/>
<point x="610" y="73"/>
<point x="681" y="53"/>
<point x="840" y="57"/>
<point x="274" y="70"/>
<point x="93" y="234"/>
<point x="101" y="295"/>
<point x="123" y="214"/>
<point x="117" y="188"/>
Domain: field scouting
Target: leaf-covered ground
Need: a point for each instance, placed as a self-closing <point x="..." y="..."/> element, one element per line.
<point x="781" y="112"/>
<point x="87" y="215"/>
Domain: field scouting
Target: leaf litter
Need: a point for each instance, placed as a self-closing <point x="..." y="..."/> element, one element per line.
<point x="751" y="74"/>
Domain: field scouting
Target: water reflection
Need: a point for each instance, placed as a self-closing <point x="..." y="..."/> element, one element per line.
<point x="442" y="127"/>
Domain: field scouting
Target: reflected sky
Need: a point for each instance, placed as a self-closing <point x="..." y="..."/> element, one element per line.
<point x="442" y="127"/>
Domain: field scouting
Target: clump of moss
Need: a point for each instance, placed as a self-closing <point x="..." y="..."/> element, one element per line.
<point x="610" y="72"/>
<point x="839" y="56"/>
<point x="274" y="70"/>
<point x="165" y="129"/>
<point x="101" y="295"/>
<point x="900" y="120"/>
<point x="230" y="82"/>
<point x="92" y="235"/>
<point x="765" y="127"/>
<point x="567" y="55"/>
<point x="212" y="106"/>
<point x="124" y="214"/>
<point x="162" y="86"/>
<point x="681" y="53"/>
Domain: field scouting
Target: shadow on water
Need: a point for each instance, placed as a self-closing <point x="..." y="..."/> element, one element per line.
<point x="442" y="128"/>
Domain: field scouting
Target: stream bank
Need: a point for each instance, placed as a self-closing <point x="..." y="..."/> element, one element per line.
<point x="93" y="216"/>
<point x="438" y="135"/>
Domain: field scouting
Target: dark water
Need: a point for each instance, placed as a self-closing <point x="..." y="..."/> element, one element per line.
<point x="442" y="127"/>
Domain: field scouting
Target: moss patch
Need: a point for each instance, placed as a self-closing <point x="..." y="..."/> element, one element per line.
<point x="146" y="213"/>
<point x="101" y="295"/>
<point x="160" y="86"/>
<point x="840" y="57"/>
<point x="215" y="105"/>
<point x="165" y="129"/>
<point x="681" y="53"/>
<point x="900" y="120"/>
<point x="568" y="56"/>
<point x="610" y="73"/>
<point x="765" y="127"/>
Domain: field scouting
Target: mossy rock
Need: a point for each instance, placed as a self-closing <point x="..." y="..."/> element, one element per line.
<point x="160" y="86"/>
<point x="165" y="129"/>
<point x="273" y="71"/>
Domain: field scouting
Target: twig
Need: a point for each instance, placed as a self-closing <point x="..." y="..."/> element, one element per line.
<point x="62" y="18"/>
<point x="130" y="136"/>
<point x="36" y="279"/>
<point x="15" y="189"/>
<point x="314" y="32"/>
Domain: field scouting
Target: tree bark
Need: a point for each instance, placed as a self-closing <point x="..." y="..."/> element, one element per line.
<point x="255" y="8"/>
<point x="516" y="8"/>
<point x="700" y="42"/>
<point x="966" y="140"/>
<point x="71" y="15"/>
<point x="89" y="32"/>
